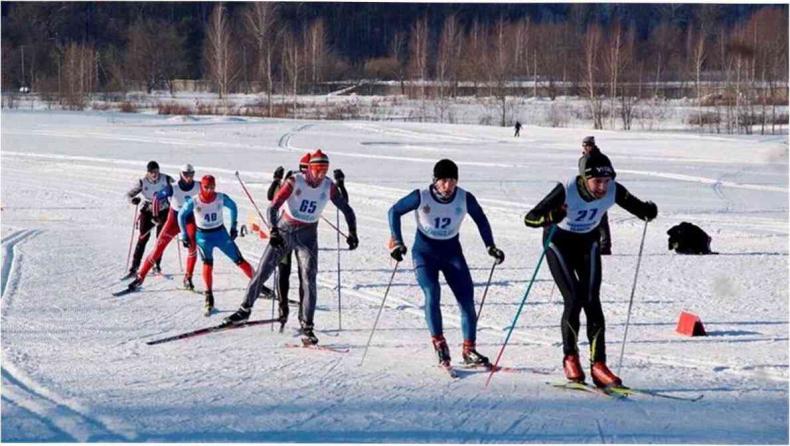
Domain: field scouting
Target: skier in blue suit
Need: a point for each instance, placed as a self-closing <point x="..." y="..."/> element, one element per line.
<point x="440" y="209"/>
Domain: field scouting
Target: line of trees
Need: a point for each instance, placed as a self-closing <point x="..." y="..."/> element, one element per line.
<point x="734" y="67"/>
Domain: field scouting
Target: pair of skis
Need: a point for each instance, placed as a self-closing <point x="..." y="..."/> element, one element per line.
<point x="620" y="392"/>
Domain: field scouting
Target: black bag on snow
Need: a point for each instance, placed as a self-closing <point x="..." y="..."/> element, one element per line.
<point x="687" y="238"/>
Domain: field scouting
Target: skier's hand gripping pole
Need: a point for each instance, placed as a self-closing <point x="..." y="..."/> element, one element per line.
<point x="631" y="300"/>
<point x="386" y="292"/>
<point x="523" y="301"/>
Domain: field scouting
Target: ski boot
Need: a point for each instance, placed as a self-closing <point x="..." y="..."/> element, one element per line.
<point x="603" y="377"/>
<point x="472" y="358"/>
<point x="188" y="285"/>
<point x="239" y="317"/>
<point x="308" y="337"/>
<point x="606" y="250"/>
<point x="157" y="268"/>
<point x="573" y="368"/>
<point x="135" y="284"/>
<point x="442" y="351"/>
<point x="208" y="306"/>
<point x="130" y="275"/>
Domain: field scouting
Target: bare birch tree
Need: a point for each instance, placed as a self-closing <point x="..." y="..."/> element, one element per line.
<point x="220" y="54"/>
<point x="259" y="20"/>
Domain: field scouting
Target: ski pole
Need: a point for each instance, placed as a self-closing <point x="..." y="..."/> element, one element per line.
<point x="260" y="214"/>
<point x="339" y="302"/>
<point x="631" y="301"/>
<point x="386" y="292"/>
<point x="523" y="301"/>
<point x="131" y="238"/>
<point x="334" y="227"/>
<point x="485" y="292"/>
<point x="553" y="287"/>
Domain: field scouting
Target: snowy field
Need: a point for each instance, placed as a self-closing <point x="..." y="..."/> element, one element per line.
<point x="75" y="366"/>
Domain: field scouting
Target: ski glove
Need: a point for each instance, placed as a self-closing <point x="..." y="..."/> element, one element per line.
<point x="352" y="241"/>
<point x="135" y="200"/>
<point x="279" y="172"/>
<point x="397" y="252"/>
<point x="651" y="211"/>
<point x="275" y="239"/>
<point x="234" y="233"/>
<point x="185" y="241"/>
<point x="496" y="253"/>
<point x="339" y="175"/>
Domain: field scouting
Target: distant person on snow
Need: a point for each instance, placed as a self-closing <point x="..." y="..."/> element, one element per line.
<point x="440" y="209"/>
<point x="185" y="188"/>
<point x="576" y="207"/>
<point x="206" y="208"/>
<point x="284" y="267"/>
<point x="153" y="211"/>
<point x="518" y="129"/>
<point x="589" y="147"/>
<point x="304" y="196"/>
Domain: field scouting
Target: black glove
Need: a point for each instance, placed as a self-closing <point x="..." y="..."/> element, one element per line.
<point x="233" y="233"/>
<point x="135" y="200"/>
<point x="556" y="216"/>
<point x="243" y="230"/>
<point x="275" y="239"/>
<point x="496" y="253"/>
<point x="339" y="175"/>
<point x="185" y="242"/>
<point x="651" y="211"/>
<point x="279" y="172"/>
<point x="352" y="241"/>
<point x="398" y="252"/>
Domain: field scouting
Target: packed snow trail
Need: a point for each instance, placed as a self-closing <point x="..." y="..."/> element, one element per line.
<point x="76" y="366"/>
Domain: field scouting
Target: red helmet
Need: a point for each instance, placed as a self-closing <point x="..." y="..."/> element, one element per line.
<point x="319" y="163"/>
<point x="206" y="182"/>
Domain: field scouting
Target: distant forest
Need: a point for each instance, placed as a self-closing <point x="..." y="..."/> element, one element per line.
<point x="737" y="53"/>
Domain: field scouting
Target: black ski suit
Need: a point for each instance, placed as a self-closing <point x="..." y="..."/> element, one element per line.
<point x="575" y="262"/>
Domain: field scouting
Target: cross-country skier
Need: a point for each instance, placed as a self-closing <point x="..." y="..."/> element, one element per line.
<point x="304" y="196"/>
<point x="589" y="147"/>
<point x="184" y="188"/>
<point x="574" y="257"/>
<point x="439" y="210"/>
<point x="153" y="211"/>
<point x="284" y="267"/>
<point x="206" y="207"/>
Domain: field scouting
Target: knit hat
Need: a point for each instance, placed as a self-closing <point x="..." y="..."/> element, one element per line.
<point x="596" y="165"/>
<point x="445" y="169"/>
<point x="151" y="166"/>
<point x="588" y="140"/>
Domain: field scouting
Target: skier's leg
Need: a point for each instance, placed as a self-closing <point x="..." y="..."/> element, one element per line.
<point x="590" y="278"/>
<point x="306" y="250"/>
<point x="268" y="262"/>
<point x="192" y="257"/>
<point x="161" y="219"/>
<point x="146" y="224"/>
<point x="169" y="231"/>
<point x="206" y="247"/>
<point x="230" y="249"/>
<point x="456" y="273"/>
<point x="427" y="273"/>
<point x="283" y="283"/>
<point x="560" y="267"/>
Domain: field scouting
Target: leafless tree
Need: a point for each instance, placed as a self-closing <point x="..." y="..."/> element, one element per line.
<point x="591" y="45"/>
<point x="260" y="19"/>
<point x="221" y="58"/>
<point x="79" y="74"/>
<point x="418" y="54"/>
<point x="293" y="64"/>
<point x="316" y="50"/>
<point x="447" y="53"/>
<point x="154" y="54"/>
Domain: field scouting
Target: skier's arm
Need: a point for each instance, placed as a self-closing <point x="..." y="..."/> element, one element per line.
<point x="645" y="210"/>
<point x="234" y="212"/>
<point x="275" y="186"/>
<point x="477" y="214"/>
<point x="183" y="214"/>
<point x="404" y="205"/>
<point x="134" y="191"/>
<point x="279" y="199"/>
<point x="549" y="210"/>
<point x="340" y="202"/>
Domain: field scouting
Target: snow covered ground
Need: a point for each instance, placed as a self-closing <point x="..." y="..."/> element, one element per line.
<point x="75" y="366"/>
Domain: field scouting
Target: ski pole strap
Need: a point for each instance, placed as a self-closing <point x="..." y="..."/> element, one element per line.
<point x="523" y="301"/>
<point x="260" y="214"/>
